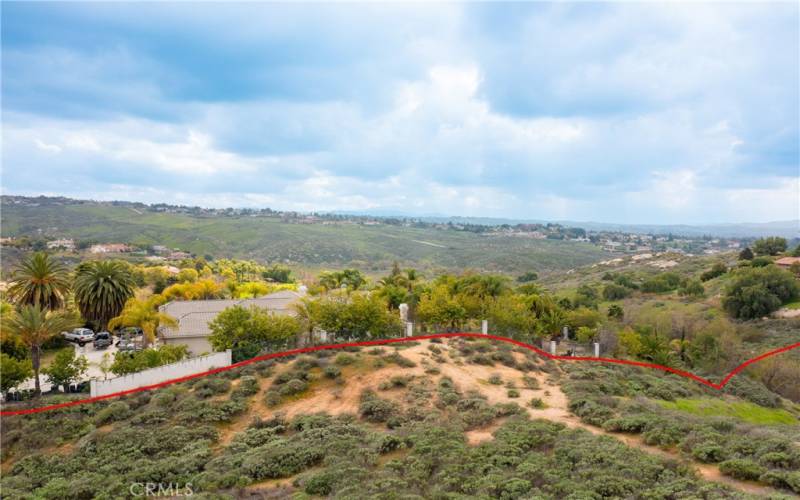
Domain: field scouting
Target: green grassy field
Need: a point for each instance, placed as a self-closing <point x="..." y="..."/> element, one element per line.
<point x="269" y="239"/>
<point x="742" y="410"/>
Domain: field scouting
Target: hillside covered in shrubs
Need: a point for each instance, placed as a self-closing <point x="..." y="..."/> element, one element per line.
<point x="445" y="418"/>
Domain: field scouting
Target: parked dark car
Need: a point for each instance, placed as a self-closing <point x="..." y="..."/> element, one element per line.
<point x="102" y="340"/>
<point x="129" y="344"/>
<point x="129" y="332"/>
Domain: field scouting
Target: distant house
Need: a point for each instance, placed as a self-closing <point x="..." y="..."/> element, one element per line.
<point x="66" y="244"/>
<point x="110" y="248"/>
<point x="179" y="256"/>
<point x="194" y="316"/>
<point x="160" y="249"/>
<point x="787" y="262"/>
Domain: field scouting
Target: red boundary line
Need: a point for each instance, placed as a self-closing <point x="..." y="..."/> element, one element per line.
<point x="302" y="350"/>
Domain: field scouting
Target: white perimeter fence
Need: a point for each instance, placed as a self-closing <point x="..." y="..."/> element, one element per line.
<point x="152" y="376"/>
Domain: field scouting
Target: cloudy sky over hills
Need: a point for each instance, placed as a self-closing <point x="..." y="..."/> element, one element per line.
<point x="616" y="112"/>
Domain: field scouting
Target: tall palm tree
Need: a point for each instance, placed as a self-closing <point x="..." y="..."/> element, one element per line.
<point x="40" y="280"/>
<point x="101" y="289"/>
<point x="33" y="326"/>
<point x="145" y="315"/>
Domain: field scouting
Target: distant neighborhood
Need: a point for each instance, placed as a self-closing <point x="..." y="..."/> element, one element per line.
<point x="621" y="242"/>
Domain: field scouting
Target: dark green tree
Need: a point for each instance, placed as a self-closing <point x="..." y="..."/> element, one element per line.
<point x="40" y="280"/>
<point x="772" y="245"/>
<point x="101" y="289"/>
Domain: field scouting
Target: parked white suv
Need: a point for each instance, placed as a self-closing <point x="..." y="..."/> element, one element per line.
<point x="81" y="336"/>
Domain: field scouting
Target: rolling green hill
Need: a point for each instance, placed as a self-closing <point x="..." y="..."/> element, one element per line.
<point x="272" y="239"/>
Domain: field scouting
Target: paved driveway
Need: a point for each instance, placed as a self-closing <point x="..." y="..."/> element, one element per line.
<point x="93" y="356"/>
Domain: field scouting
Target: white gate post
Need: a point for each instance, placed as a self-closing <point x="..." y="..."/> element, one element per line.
<point x="409" y="329"/>
<point x="565" y="331"/>
<point x="484" y="327"/>
<point x="597" y="349"/>
<point x="553" y="347"/>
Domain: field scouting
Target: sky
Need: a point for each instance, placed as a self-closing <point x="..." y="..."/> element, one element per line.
<point x="618" y="112"/>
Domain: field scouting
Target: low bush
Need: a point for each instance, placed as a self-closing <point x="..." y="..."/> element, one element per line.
<point x="537" y="403"/>
<point x="399" y="360"/>
<point x="332" y="371"/>
<point x="374" y="409"/>
<point x="395" y="382"/>
<point x="117" y="410"/>
<point x="206" y="387"/>
<point x="343" y="359"/>
<point x="742" y="469"/>
<point x="292" y="387"/>
<point x="530" y="383"/>
<point x="248" y="386"/>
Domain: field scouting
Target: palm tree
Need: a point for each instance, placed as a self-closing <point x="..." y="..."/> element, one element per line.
<point x="145" y="315"/>
<point x="33" y="326"/>
<point x="305" y="311"/>
<point x="40" y="280"/>
<point x="101" y="289"/>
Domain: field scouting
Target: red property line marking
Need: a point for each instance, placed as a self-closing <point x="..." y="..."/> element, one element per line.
<point x="367" y="343"/>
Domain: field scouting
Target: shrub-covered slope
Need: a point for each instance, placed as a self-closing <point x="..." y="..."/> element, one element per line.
<point x="460" y="418"/>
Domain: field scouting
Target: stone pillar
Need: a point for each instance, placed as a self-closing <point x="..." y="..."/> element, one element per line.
<point x="597" y="349"/>
<point x="553" y="347"/>
<point x="484" y="327"/>
<point x="403" y="312"/>
<point x="409" y="329"/>
<point x="565" y="332"/>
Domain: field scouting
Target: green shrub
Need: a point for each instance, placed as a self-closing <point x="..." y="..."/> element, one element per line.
<point x="395" y="382"/>
<point x="631" y="423"/>
<point x="513" y="393"/>
<point x="374" y="409"/>
<point x="530" y="382"/>
<point x="272" y="397"/>
<point x="399" y="360"/>
<point x="495" y="379"/>
<point x="742" y="469"/>
<point x="117" y="410"/>
<point x="590" y="411"/>
<point x="709" y="451"/>
<point x="319" y="484"/>
<point x="292" y="387"/>
<point x="537" y="403"/>
<point x="206" y="387"/>
<point x="248" y="386"/>
<point x="332" y="371"/>
<point x="343" y="359"/>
